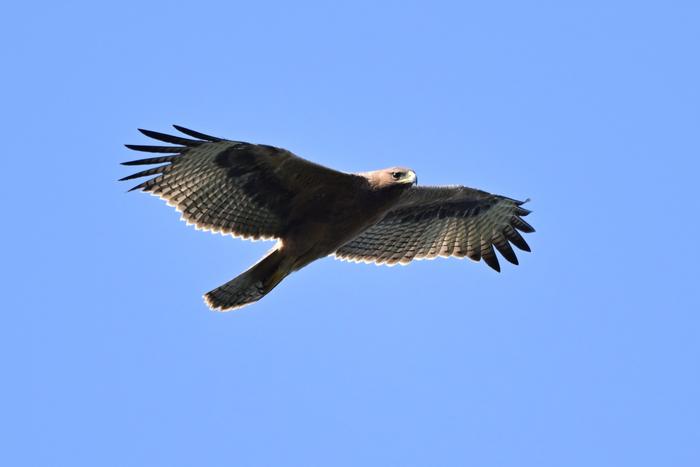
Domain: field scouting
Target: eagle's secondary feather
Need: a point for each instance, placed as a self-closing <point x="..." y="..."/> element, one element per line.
<point x="443" y="221"/>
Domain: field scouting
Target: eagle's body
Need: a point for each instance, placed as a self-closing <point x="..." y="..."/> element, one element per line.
<point x="258" y="191"/>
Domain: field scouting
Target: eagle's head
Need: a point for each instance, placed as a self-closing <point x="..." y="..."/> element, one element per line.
<point x="391" y="177"/>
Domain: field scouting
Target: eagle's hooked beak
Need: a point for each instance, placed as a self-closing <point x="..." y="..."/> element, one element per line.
<point x="411" y="178"/>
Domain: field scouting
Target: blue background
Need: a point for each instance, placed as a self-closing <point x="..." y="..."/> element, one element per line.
<point x="585" y="355"/>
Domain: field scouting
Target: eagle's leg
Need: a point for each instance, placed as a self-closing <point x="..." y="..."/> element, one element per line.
<point x="251" y="285"/>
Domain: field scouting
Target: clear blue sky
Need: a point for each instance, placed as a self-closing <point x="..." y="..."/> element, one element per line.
<point x="587" y="354"/>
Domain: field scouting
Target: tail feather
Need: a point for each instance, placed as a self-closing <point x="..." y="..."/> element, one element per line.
<point x="250" y="286"/>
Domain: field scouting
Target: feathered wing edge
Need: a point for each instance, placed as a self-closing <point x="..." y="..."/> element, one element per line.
<point x="175" y="154"/>
<point x="480" y="247"/>
<point x="183" y="145"/>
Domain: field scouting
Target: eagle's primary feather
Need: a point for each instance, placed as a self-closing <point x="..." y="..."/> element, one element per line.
<point x="256" y="191"/>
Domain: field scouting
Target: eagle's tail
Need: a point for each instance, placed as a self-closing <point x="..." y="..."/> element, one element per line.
<point x="250" y="286"/>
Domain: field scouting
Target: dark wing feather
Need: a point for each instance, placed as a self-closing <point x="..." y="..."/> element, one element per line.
<point x="165" y="149"/>
<point x="196" y="134"/>
<point x="170" y="138"/>
<point x="231" y="187"/>
<point x="443" y="221"/>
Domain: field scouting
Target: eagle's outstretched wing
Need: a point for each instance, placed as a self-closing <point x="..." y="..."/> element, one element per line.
<point x="246" y="190"/>
<point x="443" y="221"/>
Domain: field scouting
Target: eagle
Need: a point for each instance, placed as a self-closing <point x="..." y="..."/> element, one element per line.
<point x="261" y="192"/>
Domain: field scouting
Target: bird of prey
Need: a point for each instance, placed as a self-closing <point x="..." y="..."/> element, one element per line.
<point x="256" y="191"/>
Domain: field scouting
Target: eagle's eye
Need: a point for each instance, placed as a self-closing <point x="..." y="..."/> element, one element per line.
<point x="396" y="175"/>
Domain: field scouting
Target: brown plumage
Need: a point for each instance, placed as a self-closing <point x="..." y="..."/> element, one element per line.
<point x="256" y="191"/>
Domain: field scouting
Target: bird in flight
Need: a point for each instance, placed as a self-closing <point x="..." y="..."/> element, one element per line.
<point x="256" y="191"/>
